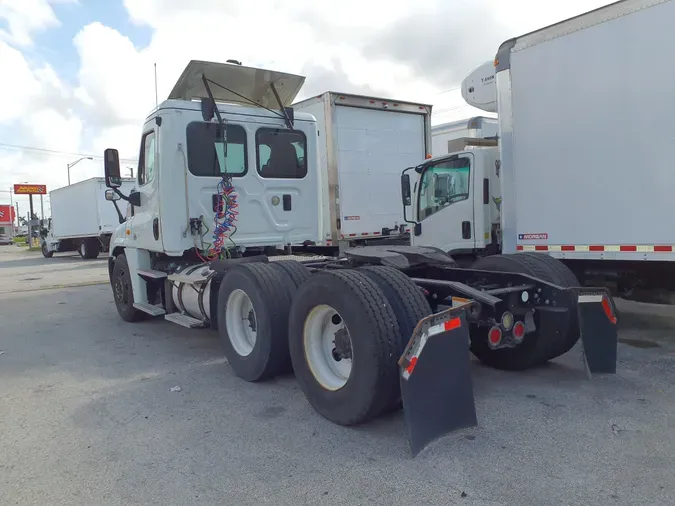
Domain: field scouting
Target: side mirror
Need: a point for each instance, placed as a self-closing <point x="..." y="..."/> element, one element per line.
<point x="135" y="199"/>
<point x="405" y="189"/>
<point x="111" y="163"/>
<point x="111" y="196"/>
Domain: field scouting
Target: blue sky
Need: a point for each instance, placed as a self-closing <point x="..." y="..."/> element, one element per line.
<point x="55" y="45"/>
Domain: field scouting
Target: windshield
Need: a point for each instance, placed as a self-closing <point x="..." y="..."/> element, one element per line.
<point x="444" y="183"/>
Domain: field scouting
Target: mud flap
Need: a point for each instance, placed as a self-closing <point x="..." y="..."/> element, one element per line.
<point x="598" y="327"/>
<point x="435" y="375"/>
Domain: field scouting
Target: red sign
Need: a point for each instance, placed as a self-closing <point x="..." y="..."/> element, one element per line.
<point x="30" y="189"/>
<point x="7" y="214"/>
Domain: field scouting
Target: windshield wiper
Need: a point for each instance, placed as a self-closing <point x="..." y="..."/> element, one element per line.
<point x="286" y="114"/>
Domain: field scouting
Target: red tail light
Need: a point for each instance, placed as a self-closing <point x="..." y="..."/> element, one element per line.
<point x="518" y="331"/>
<point x="495" y="336"/>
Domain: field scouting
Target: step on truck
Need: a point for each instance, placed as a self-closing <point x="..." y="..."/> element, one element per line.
<point x="582" y="170"/>
<point x="82" y="219"/>
<point x="228" y="195"/>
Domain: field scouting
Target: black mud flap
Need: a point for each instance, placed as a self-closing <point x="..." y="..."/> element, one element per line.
<point x="436" y="385"/>
<point x="598" y="327"/>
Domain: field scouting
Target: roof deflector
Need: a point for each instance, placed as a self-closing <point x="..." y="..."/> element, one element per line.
<point x="237" y="84"/>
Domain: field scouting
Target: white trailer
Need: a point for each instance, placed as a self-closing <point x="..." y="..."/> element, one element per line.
<point x="449" y="137"/>
<point x="583" y="168"/>
<point x="82" y="219"/>
<point x="363" y="143"/>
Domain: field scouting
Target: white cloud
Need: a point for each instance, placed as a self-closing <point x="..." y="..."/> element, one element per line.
<point x="24" y="17"/>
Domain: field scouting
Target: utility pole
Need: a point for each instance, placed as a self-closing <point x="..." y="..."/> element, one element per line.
<point x="30" y="222"/>
<point x="42" y="209"/>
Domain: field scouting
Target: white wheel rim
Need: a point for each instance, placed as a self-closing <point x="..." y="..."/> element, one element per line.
<point x="328" y="368"/>
<point x="241" y="322"/>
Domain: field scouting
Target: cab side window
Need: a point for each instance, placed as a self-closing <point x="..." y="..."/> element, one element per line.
<point x="146" y="162"/>
<point x="443" y="184"/>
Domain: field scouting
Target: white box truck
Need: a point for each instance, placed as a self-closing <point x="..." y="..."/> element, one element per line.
<point x="82" y="219"/>
<point x="363" y="143"/>
<point x="583" y="169"/>
<point x="449" y="137"/>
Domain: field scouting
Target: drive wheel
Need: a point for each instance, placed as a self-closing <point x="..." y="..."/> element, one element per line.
<point x="253" y="307"/>
<point x="536" y="348"/>
<point x="343" y="339"/>
<point x="122" y="291"/>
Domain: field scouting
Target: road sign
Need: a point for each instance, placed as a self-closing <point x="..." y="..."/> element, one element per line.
<point x="7" y="214"/>
<point x="30" y="189"/>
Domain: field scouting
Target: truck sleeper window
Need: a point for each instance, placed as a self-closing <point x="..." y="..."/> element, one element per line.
<point x="206" y="151"/>
<point x="443" y="184"/>
<point x="281" y="153"/>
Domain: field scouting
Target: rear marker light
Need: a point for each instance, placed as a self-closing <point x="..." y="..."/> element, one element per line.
<point x="518" y="331"/>
<point x="507" y="321"/>
<point x="495" y="336"/>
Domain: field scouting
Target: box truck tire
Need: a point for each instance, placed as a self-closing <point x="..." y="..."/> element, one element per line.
<point x="342" y="344"/>
<point x="45" y="252"/>
<point x="122" y="291"/>
<point x="253" y="307"/>
<point x="536" y="348"/>
<point x="89" y="249"/>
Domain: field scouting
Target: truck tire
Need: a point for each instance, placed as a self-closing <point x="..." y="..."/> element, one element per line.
<point x="89" y="249"/>
<point x="122" y="291"/>
<point x="536" y="349"/>
<point x="408" y="302"/>
<point x="556" y="272"/>
<point x="295" y="271"/>
<point x="45" y="252"/>
<point x="253" y="308"/>
<point x="340" y="389"/>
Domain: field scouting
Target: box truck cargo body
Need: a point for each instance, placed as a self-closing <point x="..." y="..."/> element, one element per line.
<point x="583" y="170"/>
<point x="445" y="137"/>
<point x="82" y="219"/>
<point x="363" y="144"/>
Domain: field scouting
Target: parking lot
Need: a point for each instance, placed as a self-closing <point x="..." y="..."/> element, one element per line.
<point x="94" y="410"/>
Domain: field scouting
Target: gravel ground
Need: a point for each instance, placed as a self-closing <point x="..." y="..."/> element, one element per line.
<point x="88" y="416"/>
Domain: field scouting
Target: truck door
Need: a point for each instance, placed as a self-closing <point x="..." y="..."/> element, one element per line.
<point x="444" y="205"/>
<point x="273" y="176"/>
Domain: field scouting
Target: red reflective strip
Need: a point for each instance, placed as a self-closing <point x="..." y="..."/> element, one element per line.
<point x="364" y="233"/>
<point x="663" y="249"/>
<point x="596" y="248"/>
<point x="541" y="248"/>
<point x="376" y="233"/>
<point x="608" y="310"/>
<point x="567" y="248"/>
<point x="627" y="248"/>
<point x="411" y="365"/>
<point x="352" y="235"/>
<point x="452" y="324"/>
<point x="519" y="248"/>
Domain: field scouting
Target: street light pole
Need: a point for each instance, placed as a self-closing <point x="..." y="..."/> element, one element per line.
<point x="76" y="162"/>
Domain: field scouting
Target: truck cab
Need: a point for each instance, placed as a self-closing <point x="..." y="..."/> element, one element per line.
<point x="456" y="199"/>
<point x="267" y="153"/>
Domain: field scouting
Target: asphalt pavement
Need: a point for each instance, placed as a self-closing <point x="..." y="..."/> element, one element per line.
<point x="96" y="411"/>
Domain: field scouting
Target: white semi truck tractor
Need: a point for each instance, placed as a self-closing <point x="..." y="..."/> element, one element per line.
<point x="228" y="202"/>
<point x="582" y="167"/>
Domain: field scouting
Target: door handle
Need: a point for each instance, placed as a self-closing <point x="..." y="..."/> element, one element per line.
<point x="155" y="228"/>
<point x="286" y="202"/>
<point x="466" y="230"/>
